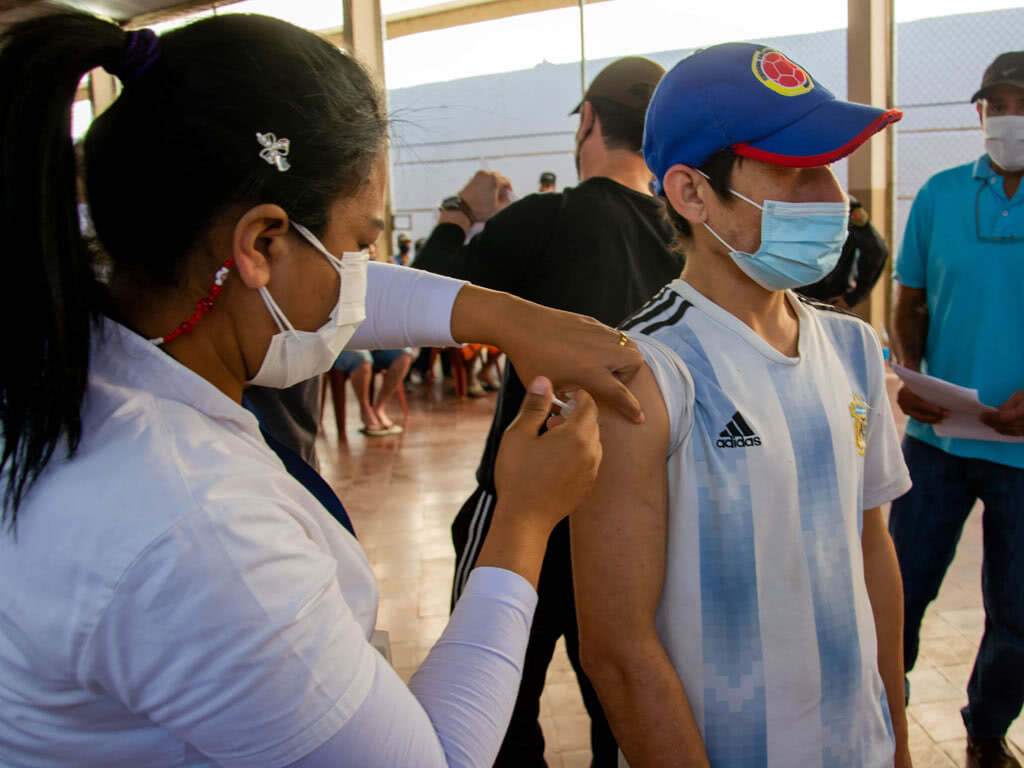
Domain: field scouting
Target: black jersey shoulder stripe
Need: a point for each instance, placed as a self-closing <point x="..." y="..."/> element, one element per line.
<point x="826" y="307"/>
<point x="641" y="316"/>
<point x="643" y="309"/>
<point x="676" y="317"/>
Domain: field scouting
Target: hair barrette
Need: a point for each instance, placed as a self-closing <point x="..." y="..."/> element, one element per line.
<point x="275" y="150"/>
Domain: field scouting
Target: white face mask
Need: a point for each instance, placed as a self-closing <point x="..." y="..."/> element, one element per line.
<point x="1004" y="141"/>
<point x="294" y="355"/>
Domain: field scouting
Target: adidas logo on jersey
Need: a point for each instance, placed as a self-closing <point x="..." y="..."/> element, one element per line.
<point x="737" y="434"/>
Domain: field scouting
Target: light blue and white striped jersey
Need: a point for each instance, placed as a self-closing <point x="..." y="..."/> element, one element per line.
<point x="772" y="460"/>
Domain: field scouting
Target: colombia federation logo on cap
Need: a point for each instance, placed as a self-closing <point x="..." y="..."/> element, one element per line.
<point x="780" y="74"/>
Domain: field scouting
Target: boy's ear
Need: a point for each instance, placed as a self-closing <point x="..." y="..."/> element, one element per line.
<point x="686" y="190"/>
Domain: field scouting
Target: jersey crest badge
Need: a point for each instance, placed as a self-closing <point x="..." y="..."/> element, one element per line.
<point x="859" y="414"/>
<point x="781" y="75"/>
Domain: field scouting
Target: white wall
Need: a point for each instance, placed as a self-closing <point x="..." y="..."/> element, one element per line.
<point x="517" y="123"/>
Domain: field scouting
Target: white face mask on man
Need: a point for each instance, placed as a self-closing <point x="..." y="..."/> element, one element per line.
<point x="295" y="355"/>
<point x="1004" y="141"/>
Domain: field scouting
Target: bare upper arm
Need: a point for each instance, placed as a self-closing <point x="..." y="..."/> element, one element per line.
<point x="874" y="524"/>
<point x="619" y="532"/>
<point x="874" y="536"/>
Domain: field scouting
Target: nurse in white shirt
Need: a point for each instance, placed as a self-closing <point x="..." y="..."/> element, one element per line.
<point x="173" y="597"/>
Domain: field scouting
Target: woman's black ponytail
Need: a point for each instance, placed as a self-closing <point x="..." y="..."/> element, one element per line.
<point x="45" y="298"/>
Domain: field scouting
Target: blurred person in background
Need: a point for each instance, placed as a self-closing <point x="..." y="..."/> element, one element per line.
<point x="547" y="182"/>
<point x="958" y="316"/>
<point x="360" y="365"/>
<point x="403" y="255"/>
<point x="860" y="265"/>
<point x="600" y="248"/>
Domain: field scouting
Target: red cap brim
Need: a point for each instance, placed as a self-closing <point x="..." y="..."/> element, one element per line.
<point x="822" y="136"/>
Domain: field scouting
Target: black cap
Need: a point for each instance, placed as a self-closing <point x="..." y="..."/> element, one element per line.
<point x="1007" y="69"/>
<point x="629" y="82"/>
<point x="547" y="178"/>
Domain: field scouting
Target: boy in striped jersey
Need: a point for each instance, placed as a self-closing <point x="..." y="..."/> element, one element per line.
<point x="742" y="607"/>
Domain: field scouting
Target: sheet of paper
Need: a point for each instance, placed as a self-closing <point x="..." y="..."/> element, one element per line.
<point x="962" y="403"/>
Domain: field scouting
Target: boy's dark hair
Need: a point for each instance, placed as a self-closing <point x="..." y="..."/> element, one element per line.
<point x="174" y="152"/>
<point x="718" y="169"/>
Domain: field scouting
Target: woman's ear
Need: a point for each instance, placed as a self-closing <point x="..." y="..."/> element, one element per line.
<point x="258" y="238"/>
<point x="686" y="189"/>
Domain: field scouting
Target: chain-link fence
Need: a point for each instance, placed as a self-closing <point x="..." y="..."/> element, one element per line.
<point x="939" y="64"/>
<point x="517" y="122"/>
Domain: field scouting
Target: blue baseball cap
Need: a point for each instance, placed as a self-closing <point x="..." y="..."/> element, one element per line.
<point x="758" y="102"/>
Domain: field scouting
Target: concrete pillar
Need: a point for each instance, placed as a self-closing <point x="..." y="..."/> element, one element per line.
<point x="363" y="38"/>
<point x="103" y="89"/>
<point x="363" y="34"/>
<point x="870" y="79"/>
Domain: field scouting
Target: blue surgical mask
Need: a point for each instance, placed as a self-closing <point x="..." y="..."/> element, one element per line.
<point x="800" y="243"/>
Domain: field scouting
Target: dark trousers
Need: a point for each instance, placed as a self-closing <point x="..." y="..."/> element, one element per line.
<point x="926" y="525"/>
<point x="555" y="617"/>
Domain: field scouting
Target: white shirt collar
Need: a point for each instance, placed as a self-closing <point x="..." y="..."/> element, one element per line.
<point x="127" y="359"/>
<point x="725" y="318"/>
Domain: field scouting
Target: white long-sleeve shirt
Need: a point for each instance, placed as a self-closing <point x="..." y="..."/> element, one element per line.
<point x="175" y="598"/>
<point x="406" y="308"/>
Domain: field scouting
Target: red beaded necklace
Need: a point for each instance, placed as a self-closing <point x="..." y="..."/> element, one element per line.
<point x="203" y="306"/>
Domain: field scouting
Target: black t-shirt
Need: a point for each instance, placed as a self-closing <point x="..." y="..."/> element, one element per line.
<point x="599" y="249"/>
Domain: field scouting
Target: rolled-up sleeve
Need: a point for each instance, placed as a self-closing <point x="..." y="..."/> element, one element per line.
<point x="406" y="308"/>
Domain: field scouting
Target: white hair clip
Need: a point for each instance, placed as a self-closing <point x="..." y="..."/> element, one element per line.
<point x="274" y="150"/>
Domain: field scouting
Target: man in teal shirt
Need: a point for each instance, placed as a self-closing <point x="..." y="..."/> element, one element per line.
<point x="959" y="316"/>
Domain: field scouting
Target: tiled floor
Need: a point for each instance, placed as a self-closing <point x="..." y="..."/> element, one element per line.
<point x="403" y="492"/>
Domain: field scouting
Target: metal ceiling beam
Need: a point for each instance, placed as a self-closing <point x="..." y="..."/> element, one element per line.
<point x="427" y="19"/>
<point x="173" y="11"/>
<point x="461" y="12"/>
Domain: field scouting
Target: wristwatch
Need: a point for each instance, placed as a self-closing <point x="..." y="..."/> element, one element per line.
<point x="456" y="203"/>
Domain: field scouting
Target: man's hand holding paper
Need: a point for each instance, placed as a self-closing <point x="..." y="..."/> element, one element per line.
<point x="1008" y="419"/>
<point x="955" y="411"/>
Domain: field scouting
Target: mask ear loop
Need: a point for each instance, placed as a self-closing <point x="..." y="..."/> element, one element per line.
<point x="338" y="264"/>
<point x="718" y="237"/>
<point x="746" y="199"/>
<point x="282" y="321"/>
<point x="734" y="192"/>
<point x="315" y="242"/>
<point x="708" y="227"/>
